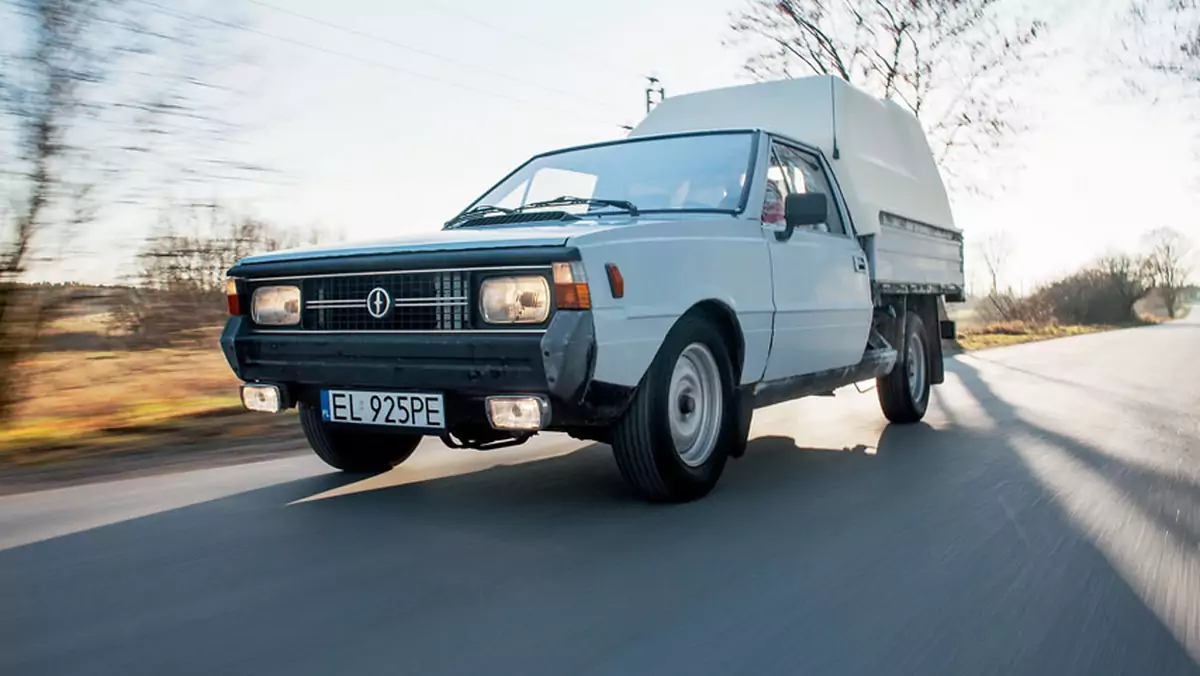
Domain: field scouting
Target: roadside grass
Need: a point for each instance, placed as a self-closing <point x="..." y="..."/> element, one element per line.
<point x="1002" y="334"/>
<point x="1015" y="333"/>
<point x="48" y="438"/>
<point x="86" y="402"/>
<point x="72" y="384"/>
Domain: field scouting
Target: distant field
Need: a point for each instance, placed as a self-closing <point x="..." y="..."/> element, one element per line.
<point x="79" y="399"/>
<point x="86" y="383"/>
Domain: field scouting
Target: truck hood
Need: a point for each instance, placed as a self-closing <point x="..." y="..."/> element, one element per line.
<point x="495" y="237"/>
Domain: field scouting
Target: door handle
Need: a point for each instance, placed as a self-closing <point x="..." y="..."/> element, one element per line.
<point x="860" y="264"/>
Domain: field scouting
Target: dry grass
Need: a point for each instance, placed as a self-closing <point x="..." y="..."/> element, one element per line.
<point x="79" y="400"/>
<point x="102" y="384"/>
<point x="1014" y="333"/>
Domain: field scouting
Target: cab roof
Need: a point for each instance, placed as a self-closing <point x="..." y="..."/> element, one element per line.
<point x="876" y="148"/>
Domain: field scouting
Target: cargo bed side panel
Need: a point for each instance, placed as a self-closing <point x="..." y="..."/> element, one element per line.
<point x="913" y="253"/>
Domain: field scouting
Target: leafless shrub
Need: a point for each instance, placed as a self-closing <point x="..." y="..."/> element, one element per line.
<point x="1008" y="308"/>
<point x="1168" y="265"/>
<point x="1103" y="293"/>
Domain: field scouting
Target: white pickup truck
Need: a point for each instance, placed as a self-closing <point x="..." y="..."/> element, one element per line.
<point x="742" y="247"/>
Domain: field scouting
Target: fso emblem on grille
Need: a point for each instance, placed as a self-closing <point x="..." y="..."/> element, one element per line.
<point x="379" y="303"/>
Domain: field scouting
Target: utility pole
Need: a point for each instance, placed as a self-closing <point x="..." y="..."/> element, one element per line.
<point x="653" y="86"/>
<point x="654" y="96"/>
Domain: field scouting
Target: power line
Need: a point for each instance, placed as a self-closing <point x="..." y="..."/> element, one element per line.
<point x="558" y="48"/>
<point x="423" y="52"/>
<point x="181" y="14"/>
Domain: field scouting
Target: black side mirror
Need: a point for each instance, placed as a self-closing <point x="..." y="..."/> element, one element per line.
<point x="806" y="208"/>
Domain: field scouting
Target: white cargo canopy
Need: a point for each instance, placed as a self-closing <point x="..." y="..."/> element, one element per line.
<point x="882" y="160"/>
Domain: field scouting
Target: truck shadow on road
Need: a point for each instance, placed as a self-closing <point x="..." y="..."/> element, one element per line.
<point x="1138" y="508"/>
<point x="1170" y="498"/>
<point x="588" y="480"/>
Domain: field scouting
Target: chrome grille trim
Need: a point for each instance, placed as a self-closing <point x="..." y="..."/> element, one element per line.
<point x="417" y="301"/>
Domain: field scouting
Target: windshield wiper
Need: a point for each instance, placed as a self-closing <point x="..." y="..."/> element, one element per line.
<point x="568" y="200"/>
<point x="481" y="210"/>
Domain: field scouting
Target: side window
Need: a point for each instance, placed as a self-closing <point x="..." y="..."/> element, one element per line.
<point x="804" y="174"/>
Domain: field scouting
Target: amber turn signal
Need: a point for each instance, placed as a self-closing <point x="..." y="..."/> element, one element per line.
<point x="616" y="283"/>
<point x="232" y="298"/>
<point x="570" y="287"/>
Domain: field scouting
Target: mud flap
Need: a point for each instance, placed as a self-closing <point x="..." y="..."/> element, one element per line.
<point x="744" y="411"/>
<point x="937" y="370"/>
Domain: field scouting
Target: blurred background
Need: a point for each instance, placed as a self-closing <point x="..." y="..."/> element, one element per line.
<point x="146" y="146"/>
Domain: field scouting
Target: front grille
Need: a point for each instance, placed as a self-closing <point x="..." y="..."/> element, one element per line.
<point x="420" y="301"/>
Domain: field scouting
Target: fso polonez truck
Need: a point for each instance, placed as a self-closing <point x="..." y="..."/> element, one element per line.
<point x="740" y="248"/>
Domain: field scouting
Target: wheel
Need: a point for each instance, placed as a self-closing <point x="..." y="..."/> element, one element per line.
<point x="352" y="450"/>
<point x="904" y="393"/>
<point x="673" y="442"/>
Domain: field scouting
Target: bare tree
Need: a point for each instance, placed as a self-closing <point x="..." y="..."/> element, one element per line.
<point x="947" y="61"/>
<point x="180" y="277"/>
<point x="995" y="248"/>
<point x="1167" y="37"/>
<point x="92" y="92"/>
<point x="1167" y="265"/>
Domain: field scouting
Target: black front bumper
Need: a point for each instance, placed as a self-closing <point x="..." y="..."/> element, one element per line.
<point x="466" y="367"/>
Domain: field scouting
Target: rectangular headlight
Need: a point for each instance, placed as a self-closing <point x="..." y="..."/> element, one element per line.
<point x="276" y="305"/>
<point x="515" y="300"/>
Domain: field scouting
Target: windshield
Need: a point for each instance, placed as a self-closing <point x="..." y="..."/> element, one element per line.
<point x="701" y="172"/>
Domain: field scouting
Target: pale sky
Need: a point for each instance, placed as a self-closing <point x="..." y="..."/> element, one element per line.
<point x="376" y="152"/>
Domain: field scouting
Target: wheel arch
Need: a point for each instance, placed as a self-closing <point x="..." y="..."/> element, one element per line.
<point x="725" y="319"/>
<point x="926" y="308"/>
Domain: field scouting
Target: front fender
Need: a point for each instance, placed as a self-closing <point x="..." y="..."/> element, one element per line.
<point x="669" y="268"/>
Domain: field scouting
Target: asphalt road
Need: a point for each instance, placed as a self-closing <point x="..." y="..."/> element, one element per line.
<point x="1044" y="520"/>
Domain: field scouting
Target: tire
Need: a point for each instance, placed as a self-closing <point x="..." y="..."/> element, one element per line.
<point x="695" y="361"/>
<point x="904" y="393"/>
<point x="352" y="450"/>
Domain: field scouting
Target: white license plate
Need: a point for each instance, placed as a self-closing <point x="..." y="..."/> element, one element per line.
<point x="395" y="409"/>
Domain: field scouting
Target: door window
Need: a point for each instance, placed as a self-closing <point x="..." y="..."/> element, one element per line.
<point x="794" y="171"/>
<point x="777" y="187"/>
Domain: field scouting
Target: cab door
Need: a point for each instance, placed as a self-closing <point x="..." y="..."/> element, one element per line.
<point x="821" y="285"/>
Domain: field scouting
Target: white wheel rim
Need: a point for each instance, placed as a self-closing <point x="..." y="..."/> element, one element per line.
<point x="916" y="367"/>
<point x="695" y="404"/>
